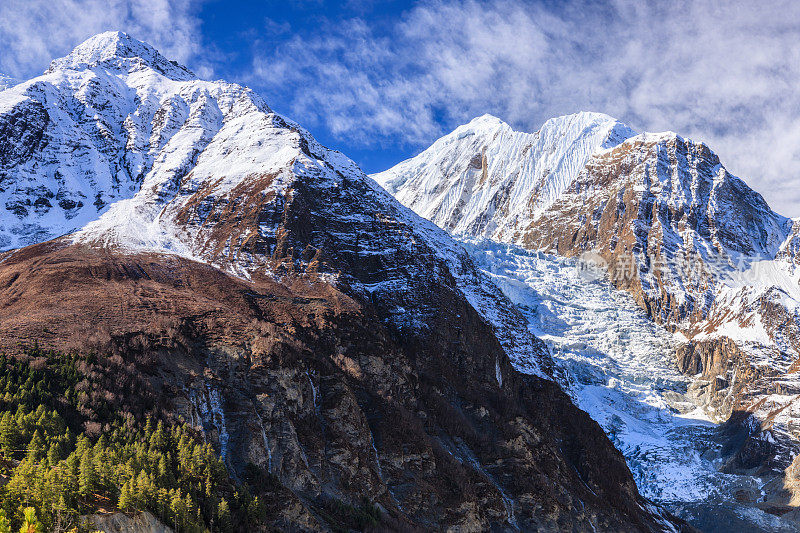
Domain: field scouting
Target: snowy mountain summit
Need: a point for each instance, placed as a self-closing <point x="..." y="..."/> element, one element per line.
<point x="651" y="205"/>
<point x="108" y="119"/>
<point x="700" y="251"/>
<point x="486" y="179"/>
<point x="118" y="50"/>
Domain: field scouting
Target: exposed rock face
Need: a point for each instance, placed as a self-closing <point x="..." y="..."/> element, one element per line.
<point x="312" y="385"/>
<point x="791" y="248"/>
<point x="667" y="218"/>
<point x="123" y="523"/>
<point x="308" y="324"/>
<point x="711" y="361"/>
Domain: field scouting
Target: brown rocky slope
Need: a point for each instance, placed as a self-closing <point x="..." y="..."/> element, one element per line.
<point x="309" y="384"/>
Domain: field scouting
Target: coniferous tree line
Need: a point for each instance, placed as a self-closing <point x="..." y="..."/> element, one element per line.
<point x="70" y="448"/>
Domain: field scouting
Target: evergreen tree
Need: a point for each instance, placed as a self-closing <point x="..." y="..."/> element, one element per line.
<point x="125" y="497"/>
<point x="255" y="510"/>
<point x="158" y="439"/>
<point x="61" y="512"/>
<point x="30" y="524"/>
<point x="177" y="509"/>
<point x="73" y="471"/>
<point x="224" y="516"/>
<point x="163" y="469"/>
<point x="5" y="525"/>
<point x="143" y="489"/>
<point x="87" y="478"/>
<point x="36" y="447"/>
<point x="54" y="453"/>
<point x="8" y="433"/>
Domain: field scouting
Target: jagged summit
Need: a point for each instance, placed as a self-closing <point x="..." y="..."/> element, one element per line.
<point x="485" y="120"/>
<point x="120" y="50"/>
<point x="585" y="118"/>
<point x="588" y="119"/>
<point x="486" y="179"/>
<point x="138" y="119"/>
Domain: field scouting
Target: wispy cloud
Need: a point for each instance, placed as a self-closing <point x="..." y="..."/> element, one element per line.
<point x="33" y="32"/>
<point x="726" y="73"/>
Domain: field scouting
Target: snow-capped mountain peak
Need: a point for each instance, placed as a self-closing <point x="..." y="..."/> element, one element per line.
<point x="117" y="49"/>
<point x="486" y="118"/>
<point x="133" y="118"/>
<point x="113" y="147"/>
<point x="589" y="121"/>
<point x="486" y="179"/>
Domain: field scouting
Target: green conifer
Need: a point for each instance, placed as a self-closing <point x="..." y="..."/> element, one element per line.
<point x="30" y="524"/>
<point x="87" y="476"/>
<point x="5" y="525"/>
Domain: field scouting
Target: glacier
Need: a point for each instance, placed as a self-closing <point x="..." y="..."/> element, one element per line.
<point x="618" y="366"/>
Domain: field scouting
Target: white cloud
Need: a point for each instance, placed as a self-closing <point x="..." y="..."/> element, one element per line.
<point x="33" y="32"/>
<point x="725" y="73"/>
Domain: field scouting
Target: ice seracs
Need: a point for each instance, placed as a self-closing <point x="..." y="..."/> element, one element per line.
<point x="620" y="368"/>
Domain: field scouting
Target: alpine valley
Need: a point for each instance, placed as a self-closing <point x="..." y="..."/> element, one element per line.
<point x="209" y="321"/>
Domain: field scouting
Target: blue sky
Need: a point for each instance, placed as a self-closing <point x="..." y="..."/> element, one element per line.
<point x="382" y="80"/>
<point x="256" y="29"/>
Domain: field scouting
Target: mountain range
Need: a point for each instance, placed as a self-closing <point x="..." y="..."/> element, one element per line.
<point x="285" y="306"/>
<point x="389" y="341"/>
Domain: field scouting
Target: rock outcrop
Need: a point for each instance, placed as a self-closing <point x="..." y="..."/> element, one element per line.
<point x="122" y="523"/>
